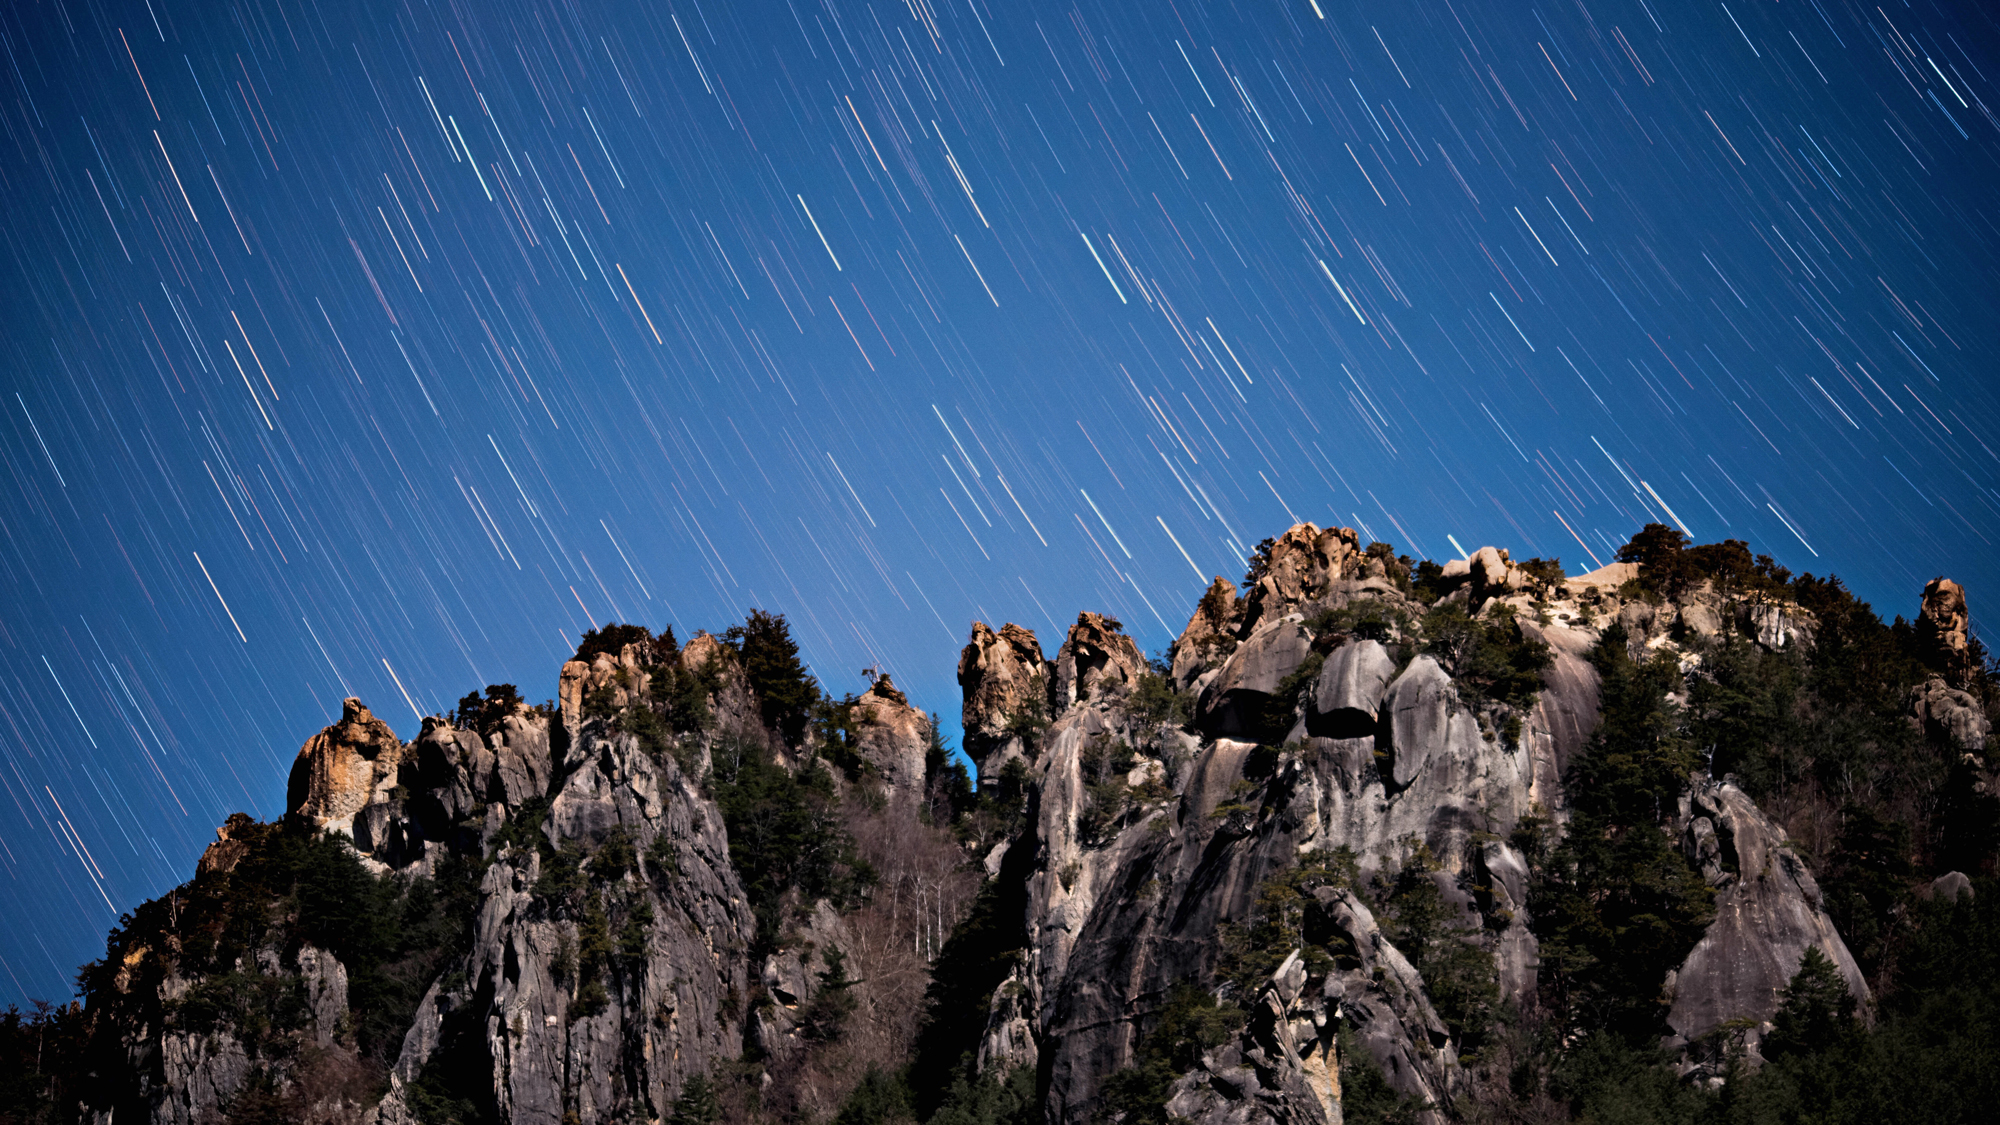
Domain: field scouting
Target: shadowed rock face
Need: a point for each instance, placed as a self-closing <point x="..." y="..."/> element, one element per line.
<point x="1117" y="915"/>
<point x="1768" y="911"/>
<point x="667" y="1015"/>
<point x="1235" y="701"/>
<point x="1950" y="716"/>
<point x="1347" y="696"/>
<point x="1125" y="881"/>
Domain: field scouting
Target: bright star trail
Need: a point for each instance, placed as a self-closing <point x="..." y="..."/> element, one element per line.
<point x="382" y="348"/>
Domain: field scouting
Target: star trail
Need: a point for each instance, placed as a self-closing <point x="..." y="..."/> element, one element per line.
<point x="380" y="349"/>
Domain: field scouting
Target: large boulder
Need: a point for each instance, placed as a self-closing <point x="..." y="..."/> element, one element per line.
<point x="1950" y="716"/>
<point x="1347" y="697"/>
<point x="1489" y="573"/>
<point x="1422" y="703"/>
<point x="1768" y="912"/>
<point x="1097" y="655"/>
<point x="1235" y="702"/>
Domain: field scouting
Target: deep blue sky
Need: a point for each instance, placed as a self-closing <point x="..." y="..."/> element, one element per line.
<point x="376" y="349"/>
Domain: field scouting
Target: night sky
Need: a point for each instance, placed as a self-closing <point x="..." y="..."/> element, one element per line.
<point x="378" y="349"/>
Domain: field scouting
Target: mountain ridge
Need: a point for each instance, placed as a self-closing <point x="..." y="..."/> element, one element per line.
<point x="1368" y="821"/>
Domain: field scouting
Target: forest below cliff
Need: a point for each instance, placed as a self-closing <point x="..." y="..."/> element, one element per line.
<point x="877" y="917"/>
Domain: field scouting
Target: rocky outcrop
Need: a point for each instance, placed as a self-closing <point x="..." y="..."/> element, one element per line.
<point x="1949" y="716"/>
<point x="1942" y="640"/>
<point x="1236" y="701"/>
<point x="1210" y="633"/>
<point x="1281" y="1069"/>
<point x="1096" y="656"/>
<point x="232" y="843"/>
<point x="1383" y="999"/>
<point x="892" y="737"/>
<point x="1487" y="573"/>
<point x="1303" y="565"/>
<point x="1325" y="747"/>
<point x="1425" y="721"/>
<point x="604" y="682"/>
<point x="344" y="769"/>
<point x="660" y="1014"/>
<point x="1002" y="676"/>
<point x="1346" y="700"/>
<point x="1768" y="912"/>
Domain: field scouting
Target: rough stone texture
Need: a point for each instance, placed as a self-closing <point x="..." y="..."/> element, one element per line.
<point x="1385" y="1002"/>
<point x="1347" y="697"/>
<point x="1768" y="911"/>
<point x="1115" y="920"/>
<point x="793" y="976"/>
<point x="1950" y="716"/>
<point x="343" y="769"/>
<point x="325" y="980"/>
<point x="1305" y="561"/>
<point x="1941" y="629"/>
<point x="666" y="1017"/>
<point x="1425" y="720"/>
<point x="1234" y="702"/>
<point x="733" y="705"/>
<point x="1210" y="633"/>
<point x="1949" y="886"/>
<point x="1125" y="894"/>
<point x="893" y="737"/>
<point x="624" y="674"/>
<point x="1487" y="573"/>
<point x="1777" y="627"/>
<point x="1096" y="656"/>
<point x="221" y="857"/>
<point x="1280" y="1069"/>
<point x="999" y="674"/>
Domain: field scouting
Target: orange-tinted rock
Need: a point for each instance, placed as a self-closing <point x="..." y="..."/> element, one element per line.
<point x="892" y="736"/>
<point x="339" y="769"/>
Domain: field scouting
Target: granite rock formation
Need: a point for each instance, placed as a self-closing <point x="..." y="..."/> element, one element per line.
<point x="1304" y="745"/>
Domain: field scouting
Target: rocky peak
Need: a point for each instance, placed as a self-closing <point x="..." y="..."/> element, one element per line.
<point x="1002" y="675"/>
<point x="1941" y="629"/>
<point x="344" y="768"/>
<point x="625" y="675"/>
<point x="1303" y="563"/>
<point x="1096" y="655"/>
<point x="892" y="736"/>
<point x="1212" y="627"/>
<point x="232" y="842"/>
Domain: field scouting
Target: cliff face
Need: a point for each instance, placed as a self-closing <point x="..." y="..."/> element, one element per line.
<point x="1315" y="734"/>
<point x="1315" y="827"/>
